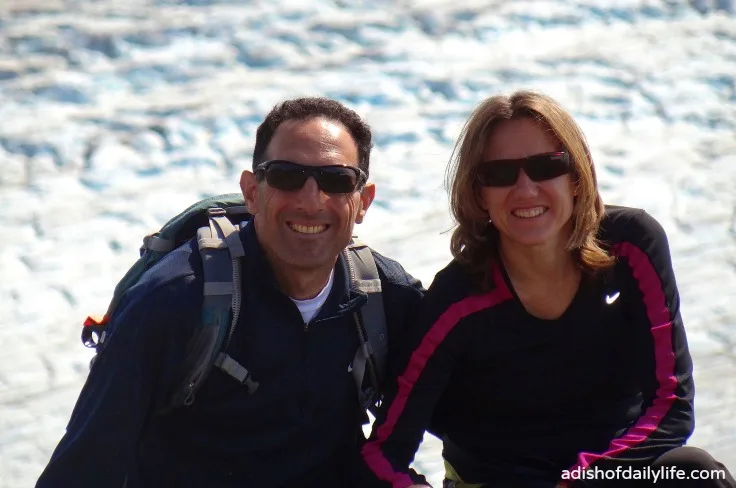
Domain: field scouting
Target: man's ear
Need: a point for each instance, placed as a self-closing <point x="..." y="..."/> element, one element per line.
<point x="366" y="197"/>
<point x="249" y="187"/>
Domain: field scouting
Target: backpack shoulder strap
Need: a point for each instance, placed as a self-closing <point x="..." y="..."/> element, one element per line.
<point x="370" y="321"/>
<point x="221" y="250"/>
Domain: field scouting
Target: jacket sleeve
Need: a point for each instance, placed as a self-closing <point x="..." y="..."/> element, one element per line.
<point x="438" y="339"/>
<point x="125" y="384"/>
<point x="667" y="418"/>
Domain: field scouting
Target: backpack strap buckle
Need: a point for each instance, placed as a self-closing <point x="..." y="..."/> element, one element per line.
<point x="234" y="369"/>
<point x="216" y="212"/>
<point x="155" y="243"/>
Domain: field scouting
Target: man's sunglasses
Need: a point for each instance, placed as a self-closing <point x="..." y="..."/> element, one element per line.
<point x="288" y="176"/>
<point x="539" y="167"/>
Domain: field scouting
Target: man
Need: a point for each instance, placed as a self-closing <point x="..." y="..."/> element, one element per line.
<point x="295" y="334"/>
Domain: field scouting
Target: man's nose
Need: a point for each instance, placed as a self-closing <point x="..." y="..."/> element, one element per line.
<point x="310" y="198"/>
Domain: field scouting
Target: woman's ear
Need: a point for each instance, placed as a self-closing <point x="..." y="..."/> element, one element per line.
<point x="479" y="200"/>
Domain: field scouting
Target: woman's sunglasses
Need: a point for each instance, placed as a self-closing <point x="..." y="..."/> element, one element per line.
<point x="287" y="176"/>
<point x="539" y="167"/>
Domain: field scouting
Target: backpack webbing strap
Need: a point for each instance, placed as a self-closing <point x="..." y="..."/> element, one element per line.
<point x="154" y="242"/>
<point x="229" y="238"/>
<point x="371" y="323"/>
<point x="221" y="249"/>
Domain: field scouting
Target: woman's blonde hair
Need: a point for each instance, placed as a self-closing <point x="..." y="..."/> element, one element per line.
<point x="473" y="243"/>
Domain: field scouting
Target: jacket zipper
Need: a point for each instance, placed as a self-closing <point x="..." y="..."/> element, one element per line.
<point x="305" y="359"/>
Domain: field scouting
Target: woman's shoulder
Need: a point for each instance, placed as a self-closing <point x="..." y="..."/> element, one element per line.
<point x="451" y="300"/>
<point x="629" y="225"/>
<point x="454" y="277"/>
<point x="456" y="282"/>
<point x="635" y="234"/>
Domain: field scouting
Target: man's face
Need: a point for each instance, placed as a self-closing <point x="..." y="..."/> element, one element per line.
<point x="305" y="229"/>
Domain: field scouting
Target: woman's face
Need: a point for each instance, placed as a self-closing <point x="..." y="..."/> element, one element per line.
<point x="527" y="212"/>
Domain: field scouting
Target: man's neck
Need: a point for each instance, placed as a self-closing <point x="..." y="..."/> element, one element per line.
<point x="295" y="282"/>
<point x="302" y="284"/>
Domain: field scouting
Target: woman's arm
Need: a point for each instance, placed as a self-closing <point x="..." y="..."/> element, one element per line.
<point x="440" y="338"/>
<point x="667" y="419"/>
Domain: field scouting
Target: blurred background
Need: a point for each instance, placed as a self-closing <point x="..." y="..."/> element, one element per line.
<point x="117" y="114"/>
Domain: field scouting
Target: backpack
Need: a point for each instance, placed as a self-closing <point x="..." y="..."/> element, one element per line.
<point x="216" y="222"/>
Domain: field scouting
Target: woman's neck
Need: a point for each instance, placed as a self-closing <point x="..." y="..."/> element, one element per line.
<point x="546" y="263"/>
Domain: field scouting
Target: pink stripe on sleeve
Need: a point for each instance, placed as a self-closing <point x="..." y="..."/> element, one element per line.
<point x="661" y="330"/>
<point x="434" y="337"/>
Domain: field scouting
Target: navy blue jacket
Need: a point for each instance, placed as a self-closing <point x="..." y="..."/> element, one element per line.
<point x="302" y="427"/>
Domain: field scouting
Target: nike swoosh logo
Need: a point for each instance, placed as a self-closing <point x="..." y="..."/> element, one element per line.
<point x="612" y="297"/>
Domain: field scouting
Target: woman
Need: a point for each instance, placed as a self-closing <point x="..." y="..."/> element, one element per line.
<point x="551" y="348"/>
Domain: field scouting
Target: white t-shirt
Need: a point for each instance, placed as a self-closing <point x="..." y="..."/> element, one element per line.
<point x="309" y="308"/>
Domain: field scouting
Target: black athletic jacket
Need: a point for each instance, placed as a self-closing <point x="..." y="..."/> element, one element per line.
<point x="521" y="399"/>
<point x="301" y="428"/>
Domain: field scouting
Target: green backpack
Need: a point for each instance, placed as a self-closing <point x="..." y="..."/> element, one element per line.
<point x="216" y="222"/>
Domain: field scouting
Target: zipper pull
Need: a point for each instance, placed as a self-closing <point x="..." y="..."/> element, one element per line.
<point x="190" y="394"/>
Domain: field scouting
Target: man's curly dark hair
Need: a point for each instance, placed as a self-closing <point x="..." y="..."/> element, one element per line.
<point x="307" y="108"/>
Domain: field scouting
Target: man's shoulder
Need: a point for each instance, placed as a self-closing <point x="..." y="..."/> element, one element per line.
<point x="391" y="271"/>
<point x="164" y="299"/>
<point x="175" y="276"/>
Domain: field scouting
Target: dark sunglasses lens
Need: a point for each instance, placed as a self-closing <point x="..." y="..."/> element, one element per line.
<point x="546" y="166"/>
<point x="286" y="177"/>
<point x="338" y="180"/>
<point x="501" y="173"/>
